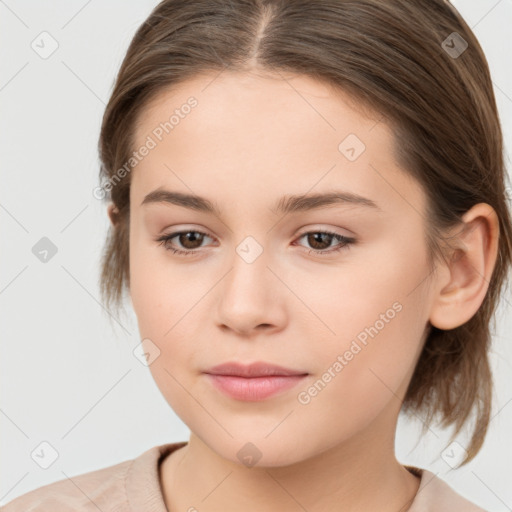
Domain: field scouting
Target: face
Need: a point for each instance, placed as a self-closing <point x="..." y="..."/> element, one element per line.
<point x="337" y="290"/>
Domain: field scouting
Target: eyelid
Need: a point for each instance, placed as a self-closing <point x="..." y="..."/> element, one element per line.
<point x="344" y="242"/>
<point x="303" y="231"/>
<point x="317" y="228"/>
<point x="333" y="229"/>
<point x="175" y="233"/>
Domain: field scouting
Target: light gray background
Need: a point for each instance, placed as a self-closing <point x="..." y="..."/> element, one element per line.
<point x="68" y="378"/>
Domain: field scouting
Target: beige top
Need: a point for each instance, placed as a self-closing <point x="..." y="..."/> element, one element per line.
<point x="134" y="486"/>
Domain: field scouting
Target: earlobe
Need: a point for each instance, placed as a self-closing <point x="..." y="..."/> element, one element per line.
<point x="470" y="267"/>
<point x="113" y="214"/>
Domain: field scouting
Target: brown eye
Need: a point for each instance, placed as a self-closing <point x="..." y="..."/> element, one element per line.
<point x="320" y="241"/>
<point x="191" y="239"/>
<point x="188" y="240"/>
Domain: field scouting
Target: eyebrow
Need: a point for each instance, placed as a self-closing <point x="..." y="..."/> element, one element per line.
<point x="285" y="205"/>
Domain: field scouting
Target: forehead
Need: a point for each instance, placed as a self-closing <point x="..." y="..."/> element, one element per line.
<point x="264" y="134"/>
<point x="254" y="99"/>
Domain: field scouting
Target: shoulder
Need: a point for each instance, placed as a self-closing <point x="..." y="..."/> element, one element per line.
<point x="434" y="494"/>
<point x="116" y="488"/>
<point x="75" y="493"/>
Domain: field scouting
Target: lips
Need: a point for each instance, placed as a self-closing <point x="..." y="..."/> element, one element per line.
<point x="253" y="382"/>
<point x="257" y="369"/>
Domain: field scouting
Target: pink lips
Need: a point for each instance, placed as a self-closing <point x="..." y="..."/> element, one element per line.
<point x="253" y="382"/>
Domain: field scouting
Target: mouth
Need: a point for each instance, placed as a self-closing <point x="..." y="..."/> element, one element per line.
<point x="253" y="382"/>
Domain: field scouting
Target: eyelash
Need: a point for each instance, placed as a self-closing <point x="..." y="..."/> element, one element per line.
<point x="345" y="242"/>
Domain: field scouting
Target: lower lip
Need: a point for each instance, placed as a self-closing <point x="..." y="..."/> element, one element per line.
<point x="254" y="388"/>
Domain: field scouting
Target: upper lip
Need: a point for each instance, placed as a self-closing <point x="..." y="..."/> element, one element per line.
<point x="257" y="369"/>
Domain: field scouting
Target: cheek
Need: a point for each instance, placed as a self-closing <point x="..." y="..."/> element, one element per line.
<point x="365" y="372"/>
<point x="378" y="314"/>
<point x="166" y="299"/>
<point x="161" y="292"/>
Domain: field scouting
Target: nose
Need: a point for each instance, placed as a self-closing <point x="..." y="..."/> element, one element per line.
<point x="251" y="297"/>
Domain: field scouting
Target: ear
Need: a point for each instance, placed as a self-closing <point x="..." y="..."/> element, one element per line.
<point x="113" y="213"/>
<point x="465" y="281"/>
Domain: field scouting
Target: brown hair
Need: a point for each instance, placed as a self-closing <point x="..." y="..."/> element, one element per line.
<point x="395" y="58"/>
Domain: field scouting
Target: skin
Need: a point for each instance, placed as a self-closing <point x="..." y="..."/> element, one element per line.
<point x="252" y="139"/>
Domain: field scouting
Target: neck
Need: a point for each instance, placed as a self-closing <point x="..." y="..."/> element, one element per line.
<point x="359" y="474"/>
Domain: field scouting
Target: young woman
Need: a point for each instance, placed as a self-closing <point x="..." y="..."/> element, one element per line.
<point x="308" y="214"/>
